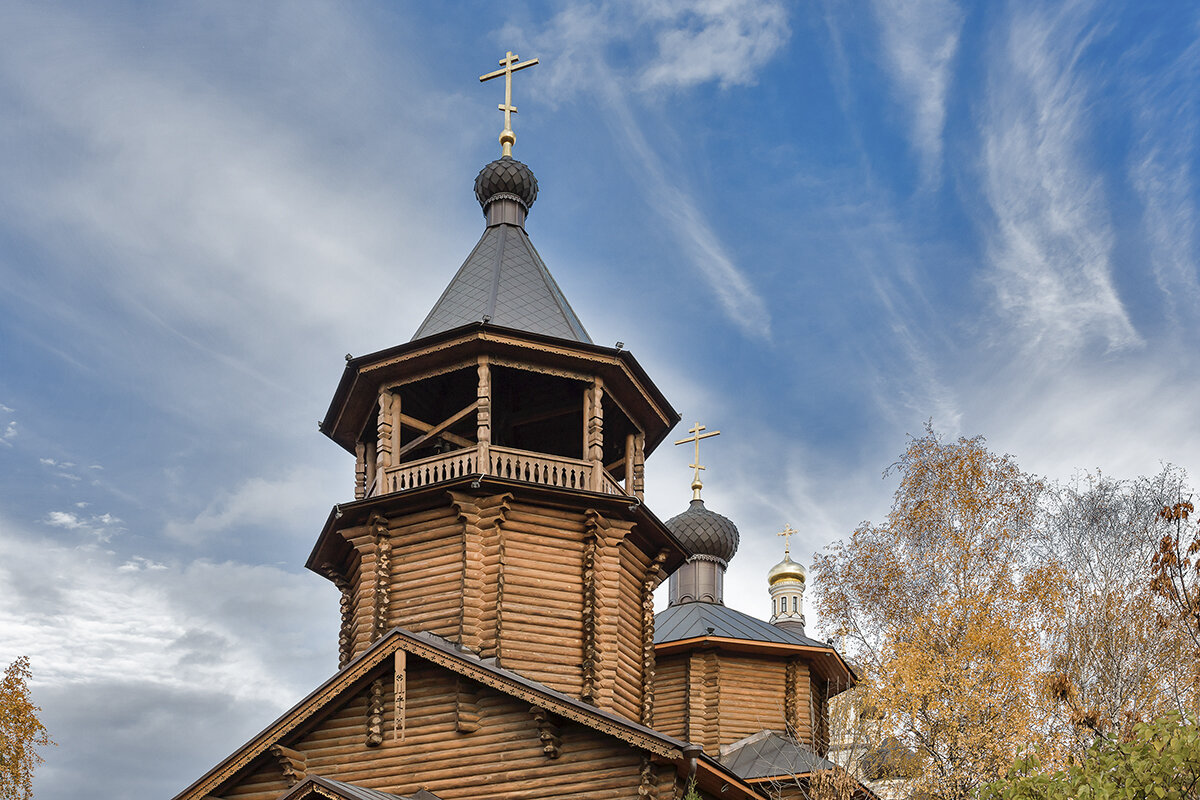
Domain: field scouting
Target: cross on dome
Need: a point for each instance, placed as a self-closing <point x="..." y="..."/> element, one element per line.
<point x="696" y="436"/>
<point x="787" y="533"/>
<point x="510" y="65"/>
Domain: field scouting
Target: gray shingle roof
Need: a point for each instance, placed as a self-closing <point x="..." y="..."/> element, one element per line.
<point x="767" y="754"/>
<point x="690" y="620"/>
<point x="505" y="279"/>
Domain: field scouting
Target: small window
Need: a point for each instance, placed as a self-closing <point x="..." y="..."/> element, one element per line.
<point x="795" y="608"/>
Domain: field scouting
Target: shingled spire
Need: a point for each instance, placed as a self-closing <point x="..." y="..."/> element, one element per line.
<point x="504" y="281"/>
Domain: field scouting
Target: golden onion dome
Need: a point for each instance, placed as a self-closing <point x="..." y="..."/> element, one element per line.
<point x="786" y="570"/>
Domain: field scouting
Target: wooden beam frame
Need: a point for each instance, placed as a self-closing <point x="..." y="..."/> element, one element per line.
<point x="425" y="427"/>
<point x="435" y="430"/>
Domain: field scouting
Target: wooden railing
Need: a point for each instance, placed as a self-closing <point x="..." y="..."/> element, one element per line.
<point x="502" y="462"/>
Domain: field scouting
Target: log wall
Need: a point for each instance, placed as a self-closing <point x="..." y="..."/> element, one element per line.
<point x="713" y="697"/>
<point x="541" y="607"/>
<point x="503" y="757"/>
<point x="670" y="697"/>
<point x="558" y="595"/>
<point x="751" y="696"/>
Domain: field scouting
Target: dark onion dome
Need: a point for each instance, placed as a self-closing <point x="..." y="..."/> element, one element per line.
<point x="705" y="533"/>
<point x="506" y="177"/>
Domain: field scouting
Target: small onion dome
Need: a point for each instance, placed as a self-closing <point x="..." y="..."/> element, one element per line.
<point x="506" y="177"/>
<point x="786" y="570"/>
<point x="705" y="533"/>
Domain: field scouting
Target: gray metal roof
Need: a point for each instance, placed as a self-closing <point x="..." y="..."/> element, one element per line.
<point x="505" y="279"/>
<point x="691" y="620"/>
<point x="767" y="753"/>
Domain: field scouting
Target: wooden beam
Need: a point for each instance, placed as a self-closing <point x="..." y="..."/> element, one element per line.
<point x="435" y="430"/>
<point x="291" y="762"/>
<point x="542" y="416"/>
<point x="425" y="427"/>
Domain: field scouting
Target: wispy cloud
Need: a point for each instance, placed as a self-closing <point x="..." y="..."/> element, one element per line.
<point x="1051" y="238"/>
<point x="920" y="41"/>
<point x="285" y="503"/>
<point x="725" y="41"/>
<point x="10" y="433"/>
<point x="1161" y="167"/>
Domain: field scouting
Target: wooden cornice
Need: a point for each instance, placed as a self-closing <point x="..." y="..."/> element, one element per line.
<point x="460" y="347"/>
<point x="649" y="532"/>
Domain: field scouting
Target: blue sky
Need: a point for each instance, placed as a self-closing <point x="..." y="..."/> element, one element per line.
<point x="816" y="225"/>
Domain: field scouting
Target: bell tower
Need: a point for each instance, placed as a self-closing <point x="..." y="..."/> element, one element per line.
<point x="498" y="474"/>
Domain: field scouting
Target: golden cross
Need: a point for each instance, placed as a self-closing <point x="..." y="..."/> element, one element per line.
<point x="510" y="65"/>
<point x="696" y="436"/>
<point x="787" y="533"/>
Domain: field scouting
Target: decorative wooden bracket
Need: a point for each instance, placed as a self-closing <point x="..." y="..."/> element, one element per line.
<point x="292" y="762"/>
<point x="345" y="603"/>
<point x="591" y="648"/>
<point x="547" y="731"/>
<point x="400" y="693"/>
<point x="649" y="582"/>
<point x="383" y="574"/>
<point x="375" y="713"/>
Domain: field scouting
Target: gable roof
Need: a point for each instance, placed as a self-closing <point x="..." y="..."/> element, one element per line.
<point x="316" y="786"/>
<point x="434" y="649"/>
<point x="505" y="280"/>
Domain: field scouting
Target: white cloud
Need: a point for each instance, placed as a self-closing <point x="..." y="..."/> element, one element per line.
<point x="10" y="433"/>
<point x="727" y="41"/>
<point x="920" y="40"/>
<point x="1051" y="241"/>
<point x="101" y="526"/>
<point x="169" y="626"/>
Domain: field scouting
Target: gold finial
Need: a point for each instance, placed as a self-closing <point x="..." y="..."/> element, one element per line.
<point x="696" y="436"/>
<point x="787" y="534"/>
<point x="509" y="62"/>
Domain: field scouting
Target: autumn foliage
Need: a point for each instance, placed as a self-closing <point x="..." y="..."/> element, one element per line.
<point x="1176" y="567"/>
<point x="21" y="732"/>
<point x="996" y="619"/>
<point x="943" y="608"/>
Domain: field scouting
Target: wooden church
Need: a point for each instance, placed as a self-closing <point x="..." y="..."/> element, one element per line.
<point x="497" y="568"/>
